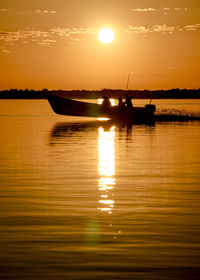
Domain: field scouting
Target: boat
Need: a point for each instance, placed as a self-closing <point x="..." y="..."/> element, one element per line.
<point x="65" y="106"/>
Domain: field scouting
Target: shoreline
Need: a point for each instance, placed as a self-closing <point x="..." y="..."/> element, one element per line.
<point x="96" y="94"/>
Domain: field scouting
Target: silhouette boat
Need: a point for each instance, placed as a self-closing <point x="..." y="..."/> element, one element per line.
<point x="65" y="106"/>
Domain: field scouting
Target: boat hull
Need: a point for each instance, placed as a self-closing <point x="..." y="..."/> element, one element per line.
<point x="70" y="107"/>
<point x="64" y="106"/>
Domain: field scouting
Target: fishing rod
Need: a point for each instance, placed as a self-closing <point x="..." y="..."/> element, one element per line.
<point x="151" y="97"/>
<point x="128" y="81"/>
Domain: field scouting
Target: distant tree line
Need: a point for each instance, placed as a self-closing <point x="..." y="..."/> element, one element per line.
<point x="174" y="93"/>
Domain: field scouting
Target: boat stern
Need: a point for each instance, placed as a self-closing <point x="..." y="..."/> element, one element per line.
<point x="151" y="108"/>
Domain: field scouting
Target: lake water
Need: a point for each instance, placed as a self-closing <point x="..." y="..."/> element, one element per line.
<point x="84" y="199"/>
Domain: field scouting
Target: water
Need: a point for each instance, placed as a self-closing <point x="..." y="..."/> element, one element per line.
<point x="83" y="199"/>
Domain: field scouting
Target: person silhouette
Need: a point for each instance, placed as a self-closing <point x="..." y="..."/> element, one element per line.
<point x="128" y="101"/>
<point x="120" y="103"/>
<point x="106" y="104"/>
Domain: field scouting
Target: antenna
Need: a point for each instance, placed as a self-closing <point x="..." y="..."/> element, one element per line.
<point x="150" y="98"/>
<point x="128" y="81"/>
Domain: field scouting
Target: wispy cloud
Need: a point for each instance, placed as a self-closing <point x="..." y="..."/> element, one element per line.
<point x="181" y="9"/>
<point x="154" y="29"/>
<point x="70" y="31"/>
<point x="4" y="10"/>
<point x="45" y="38"/>
<point x="192" y="27"/>
<point x="43" y="12"/>
<point x="45" y="42"/>
<point x="137" y="29"/>
<point x="140" y="10"/>
<point x="37" y="12"/>
<point x="22" y="34"/>
<point x="165" y="28"/>
<point x="161" y="28"/>
<point x="6" y="51"/>
<point x="161" y="10"/>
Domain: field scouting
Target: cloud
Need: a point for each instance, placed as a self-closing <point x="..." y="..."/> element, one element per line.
<point x="137" y="29"/>
<point x="192" y="27"/>
<point x="71" y="31"/>
<point x="161" y="10"/>
<point x="164" y="28"/>
<point x="143" y="10"/>
<point x="153" y="29"/>
<point x="44" y="38"/>
<point x="62" y="32"/>
<point x="161" y="29"/>
<point x="6" y="51"/>
<point x="43" y="12"/>
<point x="45" y="42"/>
<point x="4" y="10"/>
<point x="22" y="34"/>
<point x="38" y="12"/>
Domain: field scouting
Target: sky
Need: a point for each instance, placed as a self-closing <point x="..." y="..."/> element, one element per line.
<point x="54" y="44"/>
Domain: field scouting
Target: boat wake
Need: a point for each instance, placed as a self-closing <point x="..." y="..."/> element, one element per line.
<point x="175" y="115"/>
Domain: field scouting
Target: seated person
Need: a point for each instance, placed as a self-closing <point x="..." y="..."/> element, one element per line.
<point x="106" y="104"/>
<point x="128" y="101"/>
<point x="121" y="104"/>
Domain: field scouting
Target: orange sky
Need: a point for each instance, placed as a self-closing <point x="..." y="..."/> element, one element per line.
<point x="53" y="44"/>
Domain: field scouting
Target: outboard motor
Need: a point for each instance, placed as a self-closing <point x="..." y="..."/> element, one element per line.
<point x="150" y="108"/>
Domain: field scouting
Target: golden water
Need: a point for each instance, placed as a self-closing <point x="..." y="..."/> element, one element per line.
<point x="83" y="199"/>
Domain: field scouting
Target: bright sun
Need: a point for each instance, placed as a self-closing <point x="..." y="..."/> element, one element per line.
<point x="106" y="35"/>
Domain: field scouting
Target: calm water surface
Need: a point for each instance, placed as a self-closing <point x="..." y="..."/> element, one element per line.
<point x="84" y="199"/>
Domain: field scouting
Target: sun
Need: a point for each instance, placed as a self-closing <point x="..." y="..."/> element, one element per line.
<point x="106" y="35"/>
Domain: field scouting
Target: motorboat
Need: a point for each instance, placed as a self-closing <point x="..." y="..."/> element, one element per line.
<point x="65" y="106"/>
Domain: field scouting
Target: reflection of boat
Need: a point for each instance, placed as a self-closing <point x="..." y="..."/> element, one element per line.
<point x="62" y="134"/>
<point x="64" y="106"/>
<point x="62" y="130"/>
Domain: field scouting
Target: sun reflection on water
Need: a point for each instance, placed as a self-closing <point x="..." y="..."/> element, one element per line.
<point x="106" y="168"/>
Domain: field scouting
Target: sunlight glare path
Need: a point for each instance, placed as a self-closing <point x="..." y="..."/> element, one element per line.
<point x="106" y="167"/>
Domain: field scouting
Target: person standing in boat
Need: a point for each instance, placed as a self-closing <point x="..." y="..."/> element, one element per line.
<point x="106" y="104"/>
<point x="128" y="101"/>
<point x="120" y="103"/>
